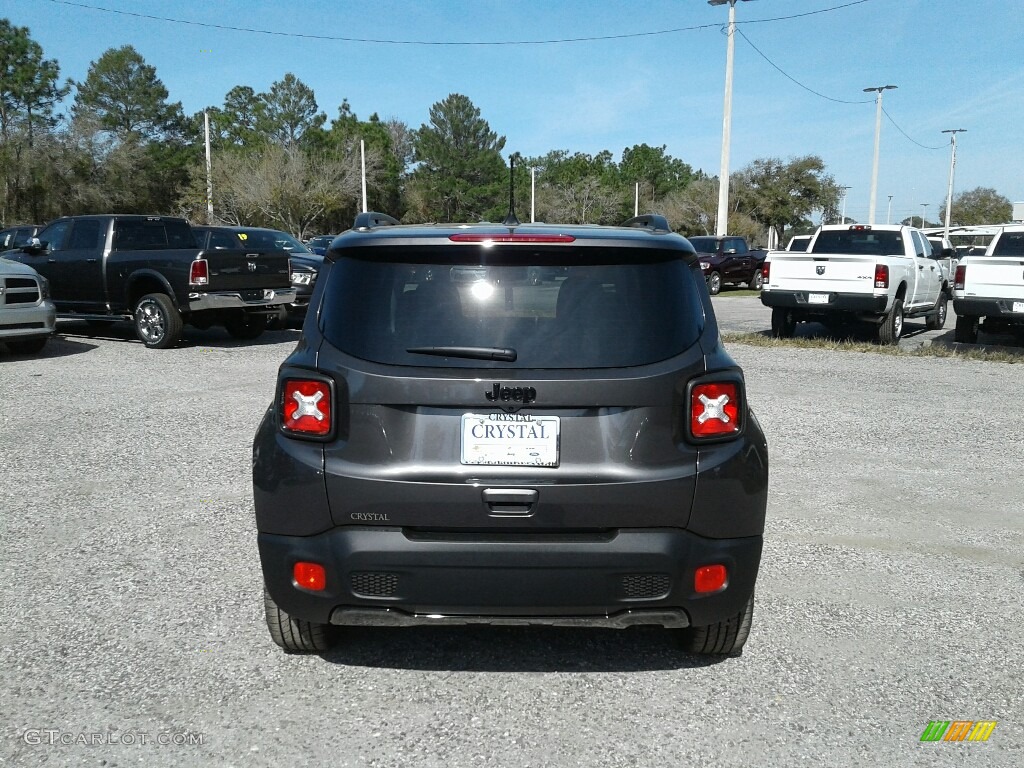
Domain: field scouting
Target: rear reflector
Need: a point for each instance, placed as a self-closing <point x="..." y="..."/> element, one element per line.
<point x="960" y="279"/>
<point x="306" y="407"/>
<point x="710" y="578"/>
<point x="511" y="238"/>
<point x="199" y="273"/>
<point x="881" y="276"/>
<point x="715" y="409"/>
<point x="311" y="576"/>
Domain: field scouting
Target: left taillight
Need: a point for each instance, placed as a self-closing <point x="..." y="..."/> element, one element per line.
<point x="199" y="273"/>
<point x="306" y="408"/>
<point x="766" y="271"/>
<point x="716" y="409"/>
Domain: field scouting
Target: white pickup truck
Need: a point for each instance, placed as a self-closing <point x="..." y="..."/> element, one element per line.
<point x="876" y="274"/>
<point x="990" y="288"/>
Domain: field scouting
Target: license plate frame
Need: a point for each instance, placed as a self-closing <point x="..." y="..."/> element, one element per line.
<point x="513" y="440"/>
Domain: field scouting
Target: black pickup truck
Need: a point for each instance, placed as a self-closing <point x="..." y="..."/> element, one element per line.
<point x="150" y="270"/>
<point x="727" y="261"/>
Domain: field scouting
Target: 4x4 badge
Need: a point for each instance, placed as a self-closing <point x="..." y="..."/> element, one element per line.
<point x="516" y="394"/>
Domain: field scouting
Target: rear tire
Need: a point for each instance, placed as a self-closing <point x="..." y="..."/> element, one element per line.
<point x="296" y="635"/>
<point x="245" y="326"/>
<point x="157" y="323"/>
<point x="757" y="281"/>
<point x="27" y="346"/>
<point x="966" y="329"/>
<point x="891" y="329"/>
<point x="783" y="323"/>
<point x="723" y="637"/>
<point x="714" y="283"/>
<point x="934" y="322"/>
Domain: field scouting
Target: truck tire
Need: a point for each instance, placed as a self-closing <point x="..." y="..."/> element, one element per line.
<point x="157" y="323"/>
<point x="296" y="635"/>
<point x="714" y="283"/>
<point x="756" y="282"/>
<point x="783" y="323"/>
<point x="27" y="346"/>
<point x="966" y="329"/>
<point x="891" y="329"/>
<point x="935" y="321"/>
<point x="723" y="637"/>
<point x="245" y="326"/>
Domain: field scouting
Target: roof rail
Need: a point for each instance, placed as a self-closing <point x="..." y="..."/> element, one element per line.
<point x="648" y="221"/>
<point x="371" y="219"/>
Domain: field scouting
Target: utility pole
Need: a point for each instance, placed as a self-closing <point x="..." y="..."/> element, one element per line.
<point x="533" y="195"/>
<point x="722" y="222"/>
<point x="209" y="170"/>
<point x="362" y="155"/>
<point x="952" y="165"/>
<point x="878" y="136"/>
<point x="888" y="212"/>
<point x="636" y="200"/>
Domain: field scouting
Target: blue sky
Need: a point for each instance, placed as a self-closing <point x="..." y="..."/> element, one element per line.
<point x="958" y="64"/>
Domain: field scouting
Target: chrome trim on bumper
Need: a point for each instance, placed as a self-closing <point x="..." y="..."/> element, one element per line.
<point x="389" y="617"/>
<point x="272" y="297"/>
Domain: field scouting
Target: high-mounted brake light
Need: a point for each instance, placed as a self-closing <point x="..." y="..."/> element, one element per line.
<point x="715" y="409"/>
<point x="960" y="279"/>
<point x="766" y="269"/>
<point x="859" y="227"/>
<point x="467" y="237"/>
<point x="881" y="276"/>
<point x="199" y="273"/>
<point x="311" y="576"/>
<point x="306" y="407"/>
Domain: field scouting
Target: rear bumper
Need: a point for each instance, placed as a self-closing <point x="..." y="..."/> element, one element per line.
<point x="250" y="300"/>
<point x="388" y="576"/>
<point x="999" y="308"/>
<point x="837" y="302"/>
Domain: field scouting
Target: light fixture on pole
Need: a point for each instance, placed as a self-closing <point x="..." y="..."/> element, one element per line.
<point x="888" y="212"/>
<point x="722" y="222"/>
<point x="878" y="135"/>
<point x="923" y="211"/>
<point x="952" y="164"/>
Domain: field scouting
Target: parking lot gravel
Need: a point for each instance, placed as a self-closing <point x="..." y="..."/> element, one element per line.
<point x="889" y="595"/>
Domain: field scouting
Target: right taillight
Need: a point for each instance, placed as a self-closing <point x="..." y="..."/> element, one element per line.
<point x="960" y="279"/>
<point x="715" y="410"/>
<point x="306" y="407"/>
<point x="881" y="276"/>
<point x="766" y="269"/>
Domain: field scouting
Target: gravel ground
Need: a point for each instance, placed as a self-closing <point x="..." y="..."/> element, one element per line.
<point x="889" y="592"/>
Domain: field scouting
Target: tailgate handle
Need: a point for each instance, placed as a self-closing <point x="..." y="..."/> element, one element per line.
<point x="510" y="501"/>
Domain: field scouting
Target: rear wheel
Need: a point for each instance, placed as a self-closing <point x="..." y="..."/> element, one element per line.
<point x="935" y="321"/>
<point x="714" y="283"/>
<point x="296" y="635"/>
<point x="891" y="329"/>
<point x="27" y="346"/>
<point x="722" y="637"/>
<point x="966" y="329"/>
<point x="246" y="326"/>
<point x="783" y="323"/>
<point x="757" y="281"/>
<point x="157" y="322"/>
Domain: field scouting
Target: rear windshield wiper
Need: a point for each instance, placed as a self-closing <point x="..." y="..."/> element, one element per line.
<point x="473" y="353"/>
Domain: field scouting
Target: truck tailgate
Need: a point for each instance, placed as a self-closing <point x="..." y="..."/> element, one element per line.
<point x="232" y="270"/>
<point x="821" y="272"/>
<point x="995" y="276"/>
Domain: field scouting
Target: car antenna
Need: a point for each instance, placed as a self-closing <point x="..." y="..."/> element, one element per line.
<point x="512" y="220"/>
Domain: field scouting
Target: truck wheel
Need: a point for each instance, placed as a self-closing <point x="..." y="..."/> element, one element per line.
<point x="934" y="322"/>
<point x="966" y="329"/>
<point x="757" y="281"/>
<point x="157" y="323"/>
<point x="723" y="637"/>
<point x="891" y="329"/>
<point x="714" y="283"/>
<point x="27" y="346"/>
<point x="245" y="326"/>
<point x="296" y="635"/>
<point x="783" y="323"/>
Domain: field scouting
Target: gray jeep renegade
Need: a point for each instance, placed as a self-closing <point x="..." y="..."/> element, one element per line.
<point x="505" y="423"/>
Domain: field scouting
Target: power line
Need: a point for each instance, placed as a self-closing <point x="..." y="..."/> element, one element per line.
<point x="923" y="146"/>
<point x="382" y="41"/>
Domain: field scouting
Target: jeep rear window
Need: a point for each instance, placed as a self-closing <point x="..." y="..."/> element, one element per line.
<point x="562" y="308"/>
<point x="864" y="242"/>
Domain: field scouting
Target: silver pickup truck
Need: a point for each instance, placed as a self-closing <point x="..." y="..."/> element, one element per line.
<point x="149" y="269"/>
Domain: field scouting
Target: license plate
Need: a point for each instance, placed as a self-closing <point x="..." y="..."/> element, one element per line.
<point x="1018" y="306"/>
<point x="510" y="439"/>
<point x="817" y="298"/>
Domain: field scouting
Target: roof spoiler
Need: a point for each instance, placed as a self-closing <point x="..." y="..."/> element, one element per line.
<point x="651" y="221"/>
<point x="371" y="219"/>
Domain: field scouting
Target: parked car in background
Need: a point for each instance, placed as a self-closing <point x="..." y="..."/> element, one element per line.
<point x="304" y="263"/>
<point x="454" y="444"/>
<point x="728" y="261"/>
<point x="27" y="315"/>
<point x="799" y="242"/>
<point x="149" y="269"/>
<point x="988" y="290"/>
<point x="15" y="237"/>
<point x="320" y="244"/>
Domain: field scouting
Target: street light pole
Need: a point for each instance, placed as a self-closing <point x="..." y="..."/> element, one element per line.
<point x="888" y="212"/>
<point x="878" y="135"/>
<point x="952" y="164"/>
<point x="923" y="211"/>
<point x="843" y="220"/>
<point x="722" y="222"/>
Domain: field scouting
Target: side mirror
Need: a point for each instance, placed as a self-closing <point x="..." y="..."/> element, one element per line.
<point x="948" y="253"/>
<point x="35" y="247"/>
